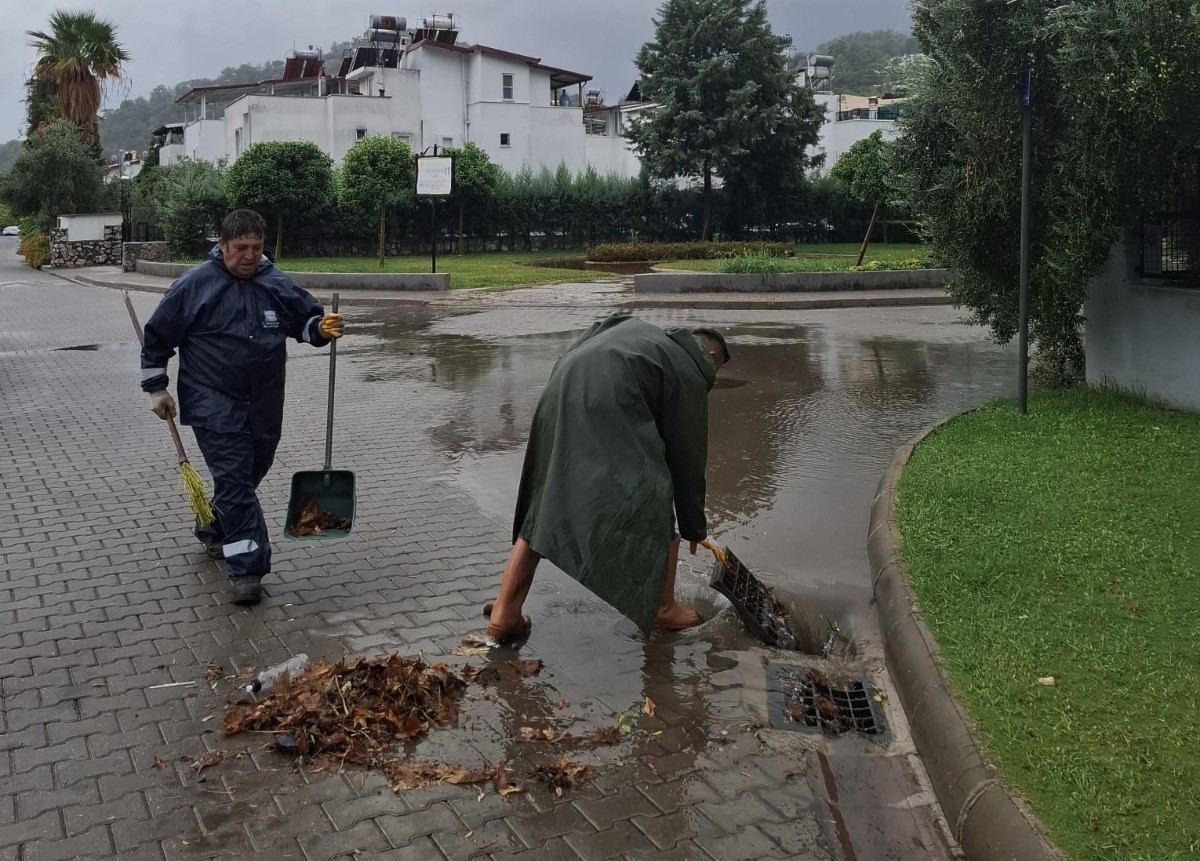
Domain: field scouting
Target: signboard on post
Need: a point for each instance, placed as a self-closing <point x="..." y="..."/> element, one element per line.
<point x="435" y="176"/>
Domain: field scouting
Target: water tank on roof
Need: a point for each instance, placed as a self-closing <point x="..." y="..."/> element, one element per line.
<point x="388" y="22"/>
<point x="388" y="37"/>
<point x="307" y="55"/>
<point x="821" y="61"/>
<point x="438" y="22"/>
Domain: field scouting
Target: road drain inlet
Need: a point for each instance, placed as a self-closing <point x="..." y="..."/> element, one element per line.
<point x="766" y="617"/>
<point x="803" y="699"/>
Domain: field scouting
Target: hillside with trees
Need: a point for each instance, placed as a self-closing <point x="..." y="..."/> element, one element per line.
<point x="128" y="125"/>
<point x="861" y="60"/>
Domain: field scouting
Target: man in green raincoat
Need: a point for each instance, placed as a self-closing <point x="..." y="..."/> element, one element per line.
<point x="620" y="435"/>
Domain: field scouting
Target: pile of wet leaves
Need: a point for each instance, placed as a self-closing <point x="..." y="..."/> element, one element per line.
<point x="311" y="520"/>
<point x="358" y="712"/>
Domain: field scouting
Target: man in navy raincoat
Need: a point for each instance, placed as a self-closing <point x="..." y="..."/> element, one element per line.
<point x="230" y="318"/>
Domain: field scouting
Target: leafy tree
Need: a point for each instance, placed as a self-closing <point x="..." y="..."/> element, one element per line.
<point x="476" y="179"/>
<point x="189" y="197"/>
<point x="860" y="60"/>
<point x="281" y="178"/>
<point x="378" y="174"/>
<point x="726" y="100"/>
<point x="1109" y="142"/>
<point x="79" y="55"/>
<point x="863" y="171"/>
<point x="54" y="174"/>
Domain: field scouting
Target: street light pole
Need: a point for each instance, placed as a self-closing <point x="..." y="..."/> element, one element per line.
<point x="1026" y="189"/>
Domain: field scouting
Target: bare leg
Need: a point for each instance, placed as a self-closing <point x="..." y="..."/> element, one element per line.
<point x="670" y="615"/>
<point x="514" y="587"/>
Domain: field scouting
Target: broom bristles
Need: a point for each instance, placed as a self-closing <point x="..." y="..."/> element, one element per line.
<point x="197" y="496"/>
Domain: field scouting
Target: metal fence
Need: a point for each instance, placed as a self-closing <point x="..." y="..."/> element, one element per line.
<point x="1171" y="244"/>
<point x="139" y="225"/>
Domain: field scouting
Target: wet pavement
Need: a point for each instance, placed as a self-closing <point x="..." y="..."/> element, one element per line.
<point x="104" y="594"/>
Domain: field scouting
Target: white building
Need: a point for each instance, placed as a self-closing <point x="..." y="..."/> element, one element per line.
<point x="421" y="86"/>
<point x="848" y="119"/>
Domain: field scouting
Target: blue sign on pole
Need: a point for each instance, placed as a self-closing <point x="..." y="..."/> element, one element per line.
<point x="1026" y="88"/>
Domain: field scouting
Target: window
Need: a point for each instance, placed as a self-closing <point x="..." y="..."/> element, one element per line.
<point x="403" y="137"/>
<point x="447" y="142"/>
<point x="506" y="86"/>
<point x="237" y="142"/>
<point x="359" y="134"/>
<point x="505" y="139"/>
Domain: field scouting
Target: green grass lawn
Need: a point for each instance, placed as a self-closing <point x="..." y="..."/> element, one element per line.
<point x="836" y="257"/>
<point x="485" y="270"/>
<point x="1067" y="543"/>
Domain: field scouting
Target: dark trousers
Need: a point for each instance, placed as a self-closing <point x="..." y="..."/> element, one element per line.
<point x="238" y="462"/>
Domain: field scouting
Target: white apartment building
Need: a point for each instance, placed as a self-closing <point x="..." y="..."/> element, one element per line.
<point x="421" y="86"/>
<point x="848" y="119"/>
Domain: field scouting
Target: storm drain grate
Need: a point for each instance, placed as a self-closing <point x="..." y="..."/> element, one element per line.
<point x="803" y="699"/>
<point x="760" y="612"/>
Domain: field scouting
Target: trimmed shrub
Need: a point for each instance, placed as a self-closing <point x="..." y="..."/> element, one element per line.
<point x="35" y="248"/>
<point x="659" y="251"/>
<point x="904" y="263"/>
<point x="753" y="263"/>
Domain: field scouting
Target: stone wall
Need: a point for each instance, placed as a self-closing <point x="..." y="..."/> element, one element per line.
<point x="102" y="252"/>
<point x="132" y="252"/>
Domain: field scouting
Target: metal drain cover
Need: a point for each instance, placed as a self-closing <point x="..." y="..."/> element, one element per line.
<point x="764" y="616"/>
<point x="803" y="699"/>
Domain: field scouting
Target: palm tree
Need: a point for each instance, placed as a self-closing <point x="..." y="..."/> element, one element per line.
<point x="79" y="56"/>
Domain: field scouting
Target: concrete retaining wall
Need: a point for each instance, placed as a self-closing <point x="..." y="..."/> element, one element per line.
<point x="328" y="280"/>
<point x="1143" y="335"/>
<point x="788" y="282"/>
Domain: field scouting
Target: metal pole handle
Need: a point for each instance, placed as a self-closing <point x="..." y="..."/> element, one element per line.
<point x="329" y="416"/>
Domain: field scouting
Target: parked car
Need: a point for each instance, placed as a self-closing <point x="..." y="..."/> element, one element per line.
<point x="11" y="230"/>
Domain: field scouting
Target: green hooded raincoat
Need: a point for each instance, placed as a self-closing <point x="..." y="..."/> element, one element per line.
<point x="620" y="433"/>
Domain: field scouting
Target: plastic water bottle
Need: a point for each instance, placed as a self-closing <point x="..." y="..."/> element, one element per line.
<point x="265" y="679"/>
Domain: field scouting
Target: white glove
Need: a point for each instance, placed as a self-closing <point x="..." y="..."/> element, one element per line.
<point x="162" y="404"/>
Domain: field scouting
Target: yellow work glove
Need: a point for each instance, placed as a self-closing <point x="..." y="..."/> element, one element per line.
<point x="162" y="404"/>
<point x="332" y="326"/>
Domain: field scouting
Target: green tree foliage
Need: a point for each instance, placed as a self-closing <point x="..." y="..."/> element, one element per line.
<point x="864" y="172"/>
<point x="1110" y="138"/>
<point x="377" y="175"/>
<point x="189" y="200"/>
<point x="728" y="106"/>
<point x="476" y="180"/>
<point x="281" y="178"/>
<point x="861" y="60"/>
<point x="78" y="55"/>
<point x="54" y="174"/>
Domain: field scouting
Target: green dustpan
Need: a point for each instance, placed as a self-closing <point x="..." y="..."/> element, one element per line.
<point x="329" y="489"/>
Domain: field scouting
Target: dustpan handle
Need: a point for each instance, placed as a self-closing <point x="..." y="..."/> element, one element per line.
<point x="332" y="377"/>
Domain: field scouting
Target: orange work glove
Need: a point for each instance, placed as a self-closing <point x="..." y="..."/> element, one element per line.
<point x="332" y="326"/>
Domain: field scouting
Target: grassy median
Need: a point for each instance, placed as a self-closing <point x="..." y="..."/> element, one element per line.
<point x="1066" y="544"/>
<point x="480" y="271"/>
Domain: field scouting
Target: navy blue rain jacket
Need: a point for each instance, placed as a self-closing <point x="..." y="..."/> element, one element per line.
<point x="231" y="336"/>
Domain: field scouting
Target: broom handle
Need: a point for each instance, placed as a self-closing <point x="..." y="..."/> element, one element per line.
<point x="137" y="327"/>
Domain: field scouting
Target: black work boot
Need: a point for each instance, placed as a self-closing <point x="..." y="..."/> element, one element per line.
<point x="247" y="590"/>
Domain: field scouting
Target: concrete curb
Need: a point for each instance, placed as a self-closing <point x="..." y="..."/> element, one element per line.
<point x="799" y="303"/>
<point x="679" y="281"/>
<point x="988" y="822"/>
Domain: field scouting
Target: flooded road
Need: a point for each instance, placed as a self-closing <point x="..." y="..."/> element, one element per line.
<point x="803" y="422"/>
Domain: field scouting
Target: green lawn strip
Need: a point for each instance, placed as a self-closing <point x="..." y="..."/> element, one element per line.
<point x="1067" y="544"/>
<point x="817" y="258"/>
<point x="467" y="271"/>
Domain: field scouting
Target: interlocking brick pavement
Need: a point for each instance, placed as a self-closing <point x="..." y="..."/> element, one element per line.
<point x="105" y="596"/>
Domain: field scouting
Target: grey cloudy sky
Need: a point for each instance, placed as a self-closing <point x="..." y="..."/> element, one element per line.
<point x="175" y="40"/>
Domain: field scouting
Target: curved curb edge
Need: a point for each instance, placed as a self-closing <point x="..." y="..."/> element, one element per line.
<point x="987" y="821"/>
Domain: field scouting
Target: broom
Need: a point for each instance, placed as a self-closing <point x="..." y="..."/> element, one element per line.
<point x="193" y="485"/>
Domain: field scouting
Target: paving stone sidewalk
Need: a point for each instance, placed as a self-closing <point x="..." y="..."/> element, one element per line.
<point x="105" y="597"/>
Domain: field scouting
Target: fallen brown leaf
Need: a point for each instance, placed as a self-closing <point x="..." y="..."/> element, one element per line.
<point x="482" y="677"/>
<point x="159" y="764"/>
<point x="563" y="774"/>
<point x="311" y="520"/>
<point x="648" y="707"/>
<point x="604" y="735"/>
<point x="527" y="668"/>
<point x="562" y="704"/>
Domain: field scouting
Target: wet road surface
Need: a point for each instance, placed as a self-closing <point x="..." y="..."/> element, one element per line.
<point x="104" y="594"/>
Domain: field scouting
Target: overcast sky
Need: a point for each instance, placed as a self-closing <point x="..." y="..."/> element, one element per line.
<point x="175" y="40"/>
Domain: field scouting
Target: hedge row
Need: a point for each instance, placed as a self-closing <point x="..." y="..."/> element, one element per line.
<point x="655" y="252"/>
<point x="35" y="248"/>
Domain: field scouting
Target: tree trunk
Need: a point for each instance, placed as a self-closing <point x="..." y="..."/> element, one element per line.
<point x="707" y="206"/>
<point x="462" y="209"/>
<point x="279" y="235"/>
<point x="885" y="226"/>
<point x="382" y="231"/>
<point x="862" y="252"/>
